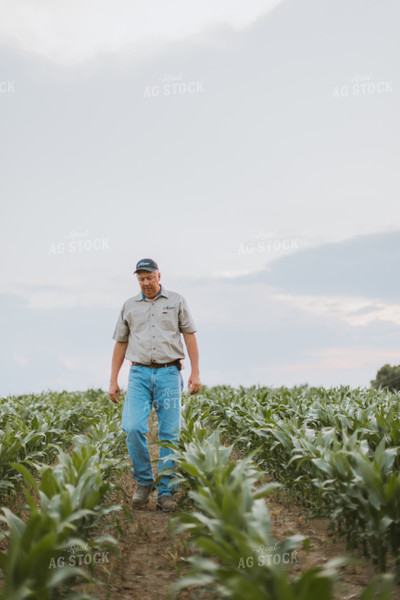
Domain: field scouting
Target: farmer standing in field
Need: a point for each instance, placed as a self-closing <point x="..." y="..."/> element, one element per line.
<point x="148" y="333"/>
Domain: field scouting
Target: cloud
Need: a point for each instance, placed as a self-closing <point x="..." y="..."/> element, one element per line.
<point x="313" y="349"/>
<point x="78" y="30"/>
<point x="355" y="311"/>
<point x="366" y="310"/>
<point x="11" y="302"/>
<point x="352" y="282"/>
<point x="365" y="266"/>
<point x="344" y="358"/>
<point x="82" y="291"/>
<point x="62" y="348"/>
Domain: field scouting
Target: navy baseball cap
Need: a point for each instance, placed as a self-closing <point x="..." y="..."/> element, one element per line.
<point x="146" y="264"/>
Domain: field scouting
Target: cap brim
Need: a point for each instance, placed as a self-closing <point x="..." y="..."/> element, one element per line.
<point x="144" y="269"/>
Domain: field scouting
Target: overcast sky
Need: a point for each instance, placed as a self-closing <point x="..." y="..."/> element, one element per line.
<point x="250" y="148"/>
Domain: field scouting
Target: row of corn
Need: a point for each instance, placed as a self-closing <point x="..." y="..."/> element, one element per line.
<point x="51" y="548"/>
<point x="338" y="449"/>
<point x="35" y="427"/>
<point x="235" y="554"/>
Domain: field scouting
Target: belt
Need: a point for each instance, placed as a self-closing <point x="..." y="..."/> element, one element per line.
<point x="158" y="366"/>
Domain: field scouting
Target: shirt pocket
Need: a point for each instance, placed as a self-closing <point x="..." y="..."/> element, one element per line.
<point x="168" y="319"/>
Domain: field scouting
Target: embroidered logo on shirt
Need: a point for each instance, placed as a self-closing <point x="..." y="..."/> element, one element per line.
<point x="169" y="307"/>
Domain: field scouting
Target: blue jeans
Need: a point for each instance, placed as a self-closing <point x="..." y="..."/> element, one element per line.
<point x="162" y="389"/>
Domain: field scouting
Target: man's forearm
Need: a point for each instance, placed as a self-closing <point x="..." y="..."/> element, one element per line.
<point x="193" y="351"/>
<point x="117" y="359"/>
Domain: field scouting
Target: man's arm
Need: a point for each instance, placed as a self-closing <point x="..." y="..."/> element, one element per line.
<point x="117" y="360"/>
<point x="194" y="382"/>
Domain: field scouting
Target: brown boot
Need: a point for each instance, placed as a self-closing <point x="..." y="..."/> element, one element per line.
<point x="141" y="495"/>
<point x="166" y="503"/>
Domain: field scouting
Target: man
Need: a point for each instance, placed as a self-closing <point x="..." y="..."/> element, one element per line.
<point x="148" y="333"/>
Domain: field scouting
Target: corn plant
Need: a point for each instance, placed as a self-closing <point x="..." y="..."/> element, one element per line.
<point x="31" y="548"/>
<point x="337" y="449"/>
<point x="37" y="564"/>
<point x="34" y="427"/>
<point x="238" y="557"/>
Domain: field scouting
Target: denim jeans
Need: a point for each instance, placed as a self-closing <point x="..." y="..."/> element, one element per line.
<point x="159" y="388"/>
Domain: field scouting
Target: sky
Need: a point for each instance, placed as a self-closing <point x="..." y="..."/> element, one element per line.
<point x="251" y="149"/>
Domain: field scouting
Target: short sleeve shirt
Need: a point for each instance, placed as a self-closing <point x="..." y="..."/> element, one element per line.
<point x="153" y="328"/>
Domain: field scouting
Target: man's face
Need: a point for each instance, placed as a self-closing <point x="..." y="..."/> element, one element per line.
<point x="149" y="282"/>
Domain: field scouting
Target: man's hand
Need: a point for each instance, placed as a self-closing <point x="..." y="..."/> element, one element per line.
<point x="117" y="360"/>
<point x="194" y="384"/>
<point x="114" y="392"/>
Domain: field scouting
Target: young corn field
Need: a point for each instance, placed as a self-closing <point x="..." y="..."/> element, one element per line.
<point x="337" y="450"/>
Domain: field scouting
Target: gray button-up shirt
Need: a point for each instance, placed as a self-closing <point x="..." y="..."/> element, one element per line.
<point x="153" y="328"/>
